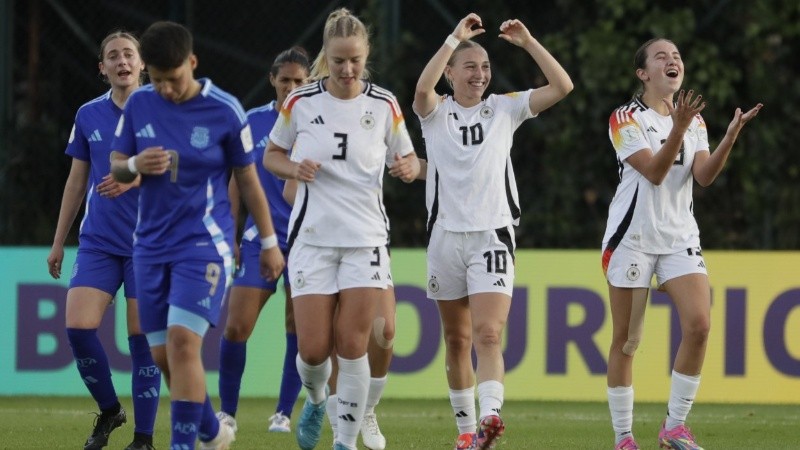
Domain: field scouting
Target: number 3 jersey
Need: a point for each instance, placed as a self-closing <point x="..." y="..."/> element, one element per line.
<point x="185" y="212"/>
<point x="643" y="216"/>
<point x="353" y="140"/>
<point x="470" y="181"/>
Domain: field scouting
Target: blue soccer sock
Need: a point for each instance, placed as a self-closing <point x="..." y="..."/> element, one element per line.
<point x="290" y="382"/>
<point x="145" y="384"/>
<point x="92" y="362"/>
<point x="232" y="357"/>
<point x="209" y="424"/>
<point x="185" y="420"/>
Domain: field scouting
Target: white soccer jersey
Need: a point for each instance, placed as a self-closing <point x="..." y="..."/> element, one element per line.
<point x="470" y="181"/>
<point x="643" y="216"/>
<point x="352" y="139"/>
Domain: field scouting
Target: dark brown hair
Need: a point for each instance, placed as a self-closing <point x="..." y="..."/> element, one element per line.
<point x="166" y="45"/>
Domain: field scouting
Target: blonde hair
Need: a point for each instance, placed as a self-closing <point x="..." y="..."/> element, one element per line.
<point x="340" y="23"/>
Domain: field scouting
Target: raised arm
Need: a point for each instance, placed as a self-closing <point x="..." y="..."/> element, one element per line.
<point x="559" y="83"/>
<point x="655" y="167"/>
<point x="425" y="95"/>
<point x="707" y="167"/>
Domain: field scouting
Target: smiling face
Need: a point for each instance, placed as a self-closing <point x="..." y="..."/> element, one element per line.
<point x="346" y="57"/>
<point x="121" y="64"/>
<point x="290" y="76"/>
<point x="663" y="69"/>
<point x="469" y="74"/>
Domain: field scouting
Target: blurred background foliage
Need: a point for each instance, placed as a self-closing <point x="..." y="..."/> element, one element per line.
<point x="737" y="53"/>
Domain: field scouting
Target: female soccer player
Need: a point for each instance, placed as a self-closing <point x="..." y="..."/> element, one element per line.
<point x="184" y="136"/>
<point x="379" y="351"/>
<point x="250" y="292"/>
<point x="472" y="207"/>
<point x="104" y="259"/>
<point x="340" y="129"/>
<point x="661" y="146"/>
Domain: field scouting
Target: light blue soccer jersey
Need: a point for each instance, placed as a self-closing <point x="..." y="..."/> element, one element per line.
<point x="261" y="121"/>
<point x="107" y="224"/>
<point x="185" y="213"/>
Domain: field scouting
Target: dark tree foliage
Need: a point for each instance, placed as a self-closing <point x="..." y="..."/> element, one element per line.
<point x="737" y="53"/>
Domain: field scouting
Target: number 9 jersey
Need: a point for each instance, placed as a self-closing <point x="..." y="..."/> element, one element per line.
<point x="353" y="140"/>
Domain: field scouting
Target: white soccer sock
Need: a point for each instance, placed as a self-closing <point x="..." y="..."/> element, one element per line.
<point x="681" y="397"/>
<point x="490" y="398"/>
<point x="352" y="386"/>
<point x="620" y="403"/>
<point x="330" y="410"/>
<point x="314" y="378"/>
<point x="463" y="403"/>
<point x="376" y="386"/>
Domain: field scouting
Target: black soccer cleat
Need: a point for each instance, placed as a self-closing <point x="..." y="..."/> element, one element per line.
<point x="104" y="424"/>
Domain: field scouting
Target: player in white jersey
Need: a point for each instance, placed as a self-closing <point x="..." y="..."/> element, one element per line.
<point x="379" y="351"/>
<point x="340" y="129"/>
<point x="104" y="261"/>
<point x="185" y="136"/>
<point x="661" y="148"/>
<point x="472" y="208"/>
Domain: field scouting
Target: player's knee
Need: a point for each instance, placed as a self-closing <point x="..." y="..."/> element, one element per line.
<point x="458" y="342"/>
<point x="237" y="332"/>
<point x="383" y="333"/>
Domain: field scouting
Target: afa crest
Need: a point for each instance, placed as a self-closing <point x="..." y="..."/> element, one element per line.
<point x="200" y="137"/>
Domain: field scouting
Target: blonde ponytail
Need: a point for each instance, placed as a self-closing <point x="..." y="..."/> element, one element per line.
<point x="340" y="23"/>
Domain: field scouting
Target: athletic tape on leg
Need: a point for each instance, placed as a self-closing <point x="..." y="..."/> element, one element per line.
<point x="636" y="324"/>
<point x="378" y="326"/>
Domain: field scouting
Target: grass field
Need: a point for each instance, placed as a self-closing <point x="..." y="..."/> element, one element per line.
<point x="65" y="422"/>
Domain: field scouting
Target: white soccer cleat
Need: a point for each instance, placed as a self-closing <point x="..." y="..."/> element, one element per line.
<point x="228" y="419"/>
<point x="371" y="433"/>
<point x="223" y="439"/>
<point x="279" y="423"/>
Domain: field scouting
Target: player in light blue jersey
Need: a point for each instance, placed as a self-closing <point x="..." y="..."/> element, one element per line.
<point x="250" y="292"/>
<point x="104" y="259"/>
<point x="184" y="136"/>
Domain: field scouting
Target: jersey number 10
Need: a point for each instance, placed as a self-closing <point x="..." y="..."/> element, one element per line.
<point x="472" y="135"/>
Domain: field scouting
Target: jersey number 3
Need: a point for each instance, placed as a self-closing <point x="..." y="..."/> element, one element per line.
<point x="342" y="145"/>
<point x="678" y="159"/>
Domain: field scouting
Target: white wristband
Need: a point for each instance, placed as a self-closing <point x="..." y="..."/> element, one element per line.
<point x="269" y="242"/>
<point x="451" y="41"/>
<point x="132" y="165"/>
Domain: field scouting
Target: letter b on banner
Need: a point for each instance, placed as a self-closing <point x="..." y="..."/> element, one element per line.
<point x="41" y="341"/>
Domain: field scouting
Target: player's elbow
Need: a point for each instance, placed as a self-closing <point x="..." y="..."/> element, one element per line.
<point x="704" y="181"/>
<point x="655" y="179"/>
<point x="565" y="87"/>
